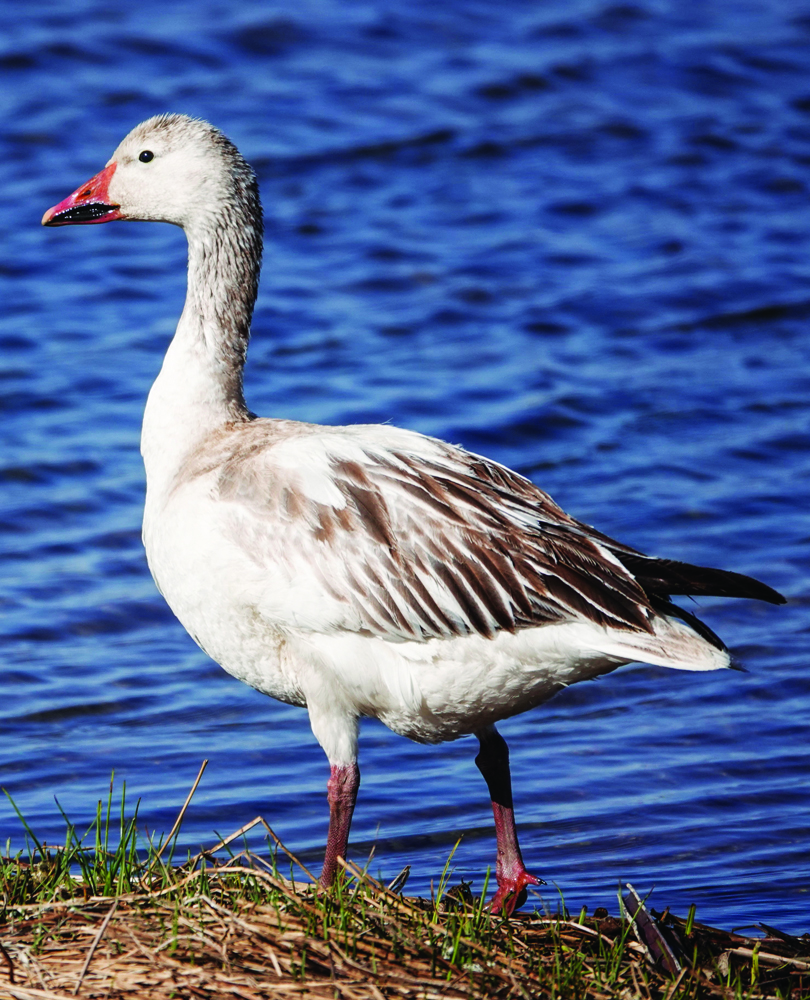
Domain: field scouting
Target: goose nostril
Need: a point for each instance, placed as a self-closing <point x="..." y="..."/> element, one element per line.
<point x="86" y="193"/>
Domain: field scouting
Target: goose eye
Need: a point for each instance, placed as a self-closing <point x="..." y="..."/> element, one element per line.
<point x="146" y="156"/>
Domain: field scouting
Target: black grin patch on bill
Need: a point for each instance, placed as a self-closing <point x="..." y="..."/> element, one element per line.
<point x="82" y="213"/>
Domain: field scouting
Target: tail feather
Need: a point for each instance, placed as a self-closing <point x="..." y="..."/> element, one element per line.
<point x="665" y="607"/>
<point x="673" y="643"/>
<point x="679" y="639"/>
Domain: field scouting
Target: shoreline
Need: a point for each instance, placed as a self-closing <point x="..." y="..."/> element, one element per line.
<point x="243" y="929"/>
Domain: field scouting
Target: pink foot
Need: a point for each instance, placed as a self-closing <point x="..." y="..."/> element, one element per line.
<point x="511" y="894"/>
<point x="493" y="763"/>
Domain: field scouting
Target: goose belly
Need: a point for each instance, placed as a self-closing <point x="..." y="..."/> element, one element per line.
<point x="443" y="689"/>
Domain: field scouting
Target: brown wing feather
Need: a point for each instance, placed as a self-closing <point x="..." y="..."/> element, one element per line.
<point x="416" y="539"/>
<point x="502" y="551"/>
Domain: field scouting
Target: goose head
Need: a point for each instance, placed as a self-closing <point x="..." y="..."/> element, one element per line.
<point x="170" y="168"/>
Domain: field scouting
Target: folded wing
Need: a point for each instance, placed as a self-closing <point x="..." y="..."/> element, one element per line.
<point x="409" y="538"/>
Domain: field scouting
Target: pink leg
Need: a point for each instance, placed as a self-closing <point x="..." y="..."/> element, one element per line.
<point x="493" y="763"/>
<point x="341" y="792"/>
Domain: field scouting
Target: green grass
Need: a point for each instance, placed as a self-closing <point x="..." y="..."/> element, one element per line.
<point x="112" y="913"/>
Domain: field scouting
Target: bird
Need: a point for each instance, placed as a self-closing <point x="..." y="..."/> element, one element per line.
<point x="363" y="570"/>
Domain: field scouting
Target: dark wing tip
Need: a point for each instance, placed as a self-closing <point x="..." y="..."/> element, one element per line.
<point x="753" y="589"/>
<point x="661" y="577"/>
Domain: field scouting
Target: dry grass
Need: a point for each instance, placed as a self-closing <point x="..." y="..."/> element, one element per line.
<point x="91" y="921"/>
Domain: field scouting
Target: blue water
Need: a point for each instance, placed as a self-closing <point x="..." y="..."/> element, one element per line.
<point x="572" y="235"/>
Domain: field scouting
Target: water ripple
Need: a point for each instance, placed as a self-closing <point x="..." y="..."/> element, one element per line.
<point x="572" y="236"/>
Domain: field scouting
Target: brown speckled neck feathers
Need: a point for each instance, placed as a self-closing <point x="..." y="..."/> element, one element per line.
<point x="225" y="253"/>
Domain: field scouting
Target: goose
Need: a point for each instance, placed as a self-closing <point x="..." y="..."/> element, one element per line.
<point x="363" y="570"/>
